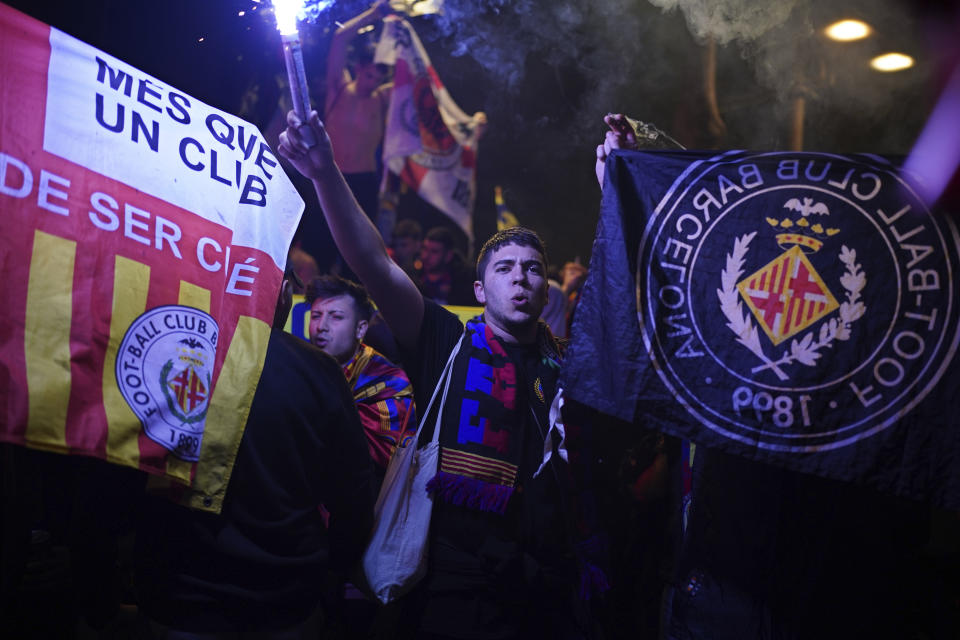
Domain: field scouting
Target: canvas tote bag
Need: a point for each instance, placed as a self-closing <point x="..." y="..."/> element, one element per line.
<point x="396" y="557"/>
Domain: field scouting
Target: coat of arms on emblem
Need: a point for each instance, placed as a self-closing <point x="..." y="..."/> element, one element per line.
<point x="186" y="382"/>
<point x="787" y="296"/>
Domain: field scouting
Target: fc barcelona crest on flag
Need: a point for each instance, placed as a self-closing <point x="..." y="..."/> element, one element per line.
<point x="787" y="295"/>
<point x="164" y="370"/>
<point x="798" y="301"/>
<point x="796" y="308"/>
<point x="187" y="387"/>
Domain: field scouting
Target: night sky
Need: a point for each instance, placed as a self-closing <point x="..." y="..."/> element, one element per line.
<point x="546" y="71"/>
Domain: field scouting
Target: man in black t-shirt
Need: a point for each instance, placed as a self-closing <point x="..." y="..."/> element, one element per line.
<point x="500" y="561"/>
<point x="259" y="565"/>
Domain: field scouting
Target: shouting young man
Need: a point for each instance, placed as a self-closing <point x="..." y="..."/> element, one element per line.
<point x="500" y="561"/>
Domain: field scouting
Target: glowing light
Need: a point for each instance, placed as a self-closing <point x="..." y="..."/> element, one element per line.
<point x="286" y="12"/>
<point x="848" y="30"/>
<point x="417" y="7"/>
<point x="936" y="155"/>
<point x="892" y="62"/>
<point x="242" y="13"/>
<point x="201" y="39"/>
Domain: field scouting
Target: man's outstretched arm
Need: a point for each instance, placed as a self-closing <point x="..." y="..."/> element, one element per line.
<point x="337" y="56"/>
<point x="357" y="239"/>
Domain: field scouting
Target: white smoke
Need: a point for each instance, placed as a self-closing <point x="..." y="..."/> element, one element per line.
<point x="546" y="71"/>
<point x="727" y="20"/>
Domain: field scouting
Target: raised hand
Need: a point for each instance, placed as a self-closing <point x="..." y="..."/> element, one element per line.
<point x="619" y="136"/>
<point x="309" y="160"/>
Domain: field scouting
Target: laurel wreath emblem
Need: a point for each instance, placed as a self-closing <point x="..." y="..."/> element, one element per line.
<point x="806" y="350"/>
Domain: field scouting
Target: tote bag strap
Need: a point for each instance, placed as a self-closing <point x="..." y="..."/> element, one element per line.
<point x="414" y="444"/>
<point x="444" y="380"/>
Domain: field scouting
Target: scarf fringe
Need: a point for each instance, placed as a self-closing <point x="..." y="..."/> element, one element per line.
<point x="470" y="492"/>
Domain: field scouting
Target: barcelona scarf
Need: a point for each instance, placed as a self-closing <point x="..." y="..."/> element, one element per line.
<point x="480" y="458"/>
<point x="384" y="400"/>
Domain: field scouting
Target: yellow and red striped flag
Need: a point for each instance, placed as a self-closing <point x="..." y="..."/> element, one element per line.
<point x="144" y="234"/>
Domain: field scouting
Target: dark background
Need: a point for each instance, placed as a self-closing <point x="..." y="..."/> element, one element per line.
<point x="546" y="71"/>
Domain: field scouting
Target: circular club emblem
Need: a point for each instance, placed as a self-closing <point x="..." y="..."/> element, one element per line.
<point x="797" y="301"/>
<point x="165" y="370"/>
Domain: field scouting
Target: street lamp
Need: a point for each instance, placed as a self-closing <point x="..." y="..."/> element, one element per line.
<point x="848" y="30"/>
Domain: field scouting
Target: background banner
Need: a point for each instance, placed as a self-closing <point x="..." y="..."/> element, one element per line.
<point x="799" y="309"/>
<point x="430" y="143"/>
<point x="144" y="238"/>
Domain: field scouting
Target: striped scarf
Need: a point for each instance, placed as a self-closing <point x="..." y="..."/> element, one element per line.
<point x="384" y="399"/>
<point x="482" y="436"/>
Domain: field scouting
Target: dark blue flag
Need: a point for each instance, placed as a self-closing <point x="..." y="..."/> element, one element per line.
<point x="799" y="309"/>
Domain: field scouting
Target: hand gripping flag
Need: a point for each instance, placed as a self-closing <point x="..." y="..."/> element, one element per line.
<point x="799" y="309"/>
<point x="429" y="141"/>
<point x="144" y="234"/>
